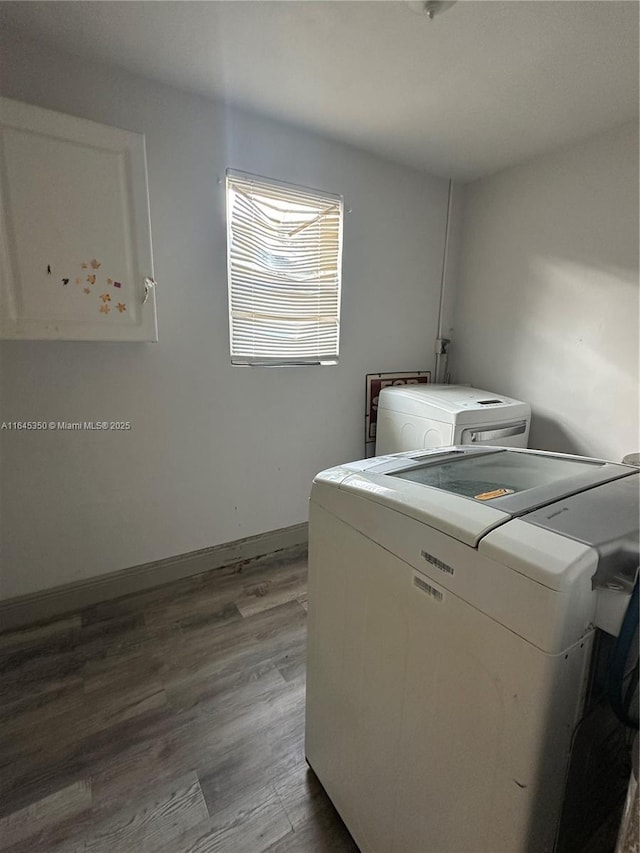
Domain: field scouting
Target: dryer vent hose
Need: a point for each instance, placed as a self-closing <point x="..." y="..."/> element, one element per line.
<point x="623" y="670"/>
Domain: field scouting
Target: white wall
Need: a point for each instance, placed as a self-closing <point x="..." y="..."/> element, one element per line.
<point x="547" y="297"/>
<point x="216" y="452"/>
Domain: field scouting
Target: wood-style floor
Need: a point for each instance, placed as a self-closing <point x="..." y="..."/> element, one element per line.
<point x="170" y="721"/>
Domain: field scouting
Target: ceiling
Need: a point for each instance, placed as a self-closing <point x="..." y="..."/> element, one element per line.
<point x="482" y="86"/>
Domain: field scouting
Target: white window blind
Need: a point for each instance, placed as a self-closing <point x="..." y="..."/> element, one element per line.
<point x="284" y="248"/>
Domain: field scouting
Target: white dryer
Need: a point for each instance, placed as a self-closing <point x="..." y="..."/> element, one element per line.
<point x="412" y="417"/>
<point x="453" y="601"/>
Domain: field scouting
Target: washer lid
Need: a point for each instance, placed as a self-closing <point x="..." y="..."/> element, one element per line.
<point x="597" y="516"/>
<point x="512" y="480"/>
<point x="547" y="544"/>
<point x="608" y="519"/>
<point x="467" y="491"/>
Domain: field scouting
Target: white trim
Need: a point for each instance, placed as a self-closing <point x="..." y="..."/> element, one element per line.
<point x="49" y="603"/>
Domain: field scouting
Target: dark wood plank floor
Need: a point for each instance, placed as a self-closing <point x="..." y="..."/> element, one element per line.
<point x="171" y="721"/>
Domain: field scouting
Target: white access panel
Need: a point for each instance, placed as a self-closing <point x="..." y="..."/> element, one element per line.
<point x="75" y="237"/>
<point x="432" y="726"/>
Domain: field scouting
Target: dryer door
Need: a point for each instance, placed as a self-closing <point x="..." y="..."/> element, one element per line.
<point x="514" y="434"/>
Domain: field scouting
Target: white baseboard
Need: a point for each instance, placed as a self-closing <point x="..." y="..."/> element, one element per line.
<point x="49" y="603"/>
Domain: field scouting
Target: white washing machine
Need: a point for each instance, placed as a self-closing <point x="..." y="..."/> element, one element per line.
<point x="453" y="600"/>
<point x="412" y="417"/>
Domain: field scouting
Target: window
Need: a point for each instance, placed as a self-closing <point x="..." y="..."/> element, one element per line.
<point x="284" y="248"/>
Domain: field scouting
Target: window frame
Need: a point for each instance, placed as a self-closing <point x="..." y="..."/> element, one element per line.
<point x="333" y="200"/>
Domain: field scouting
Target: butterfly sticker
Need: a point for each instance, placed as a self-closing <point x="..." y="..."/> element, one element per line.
<point x="65" y="281"/>
<point x="104" y="309"/>
<point x="121" y="307"/>
<point x="91" y="279"/>
<point x="87" y="290"/>
<point x="105" y="297"/>
<point x="95" y="265"/>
